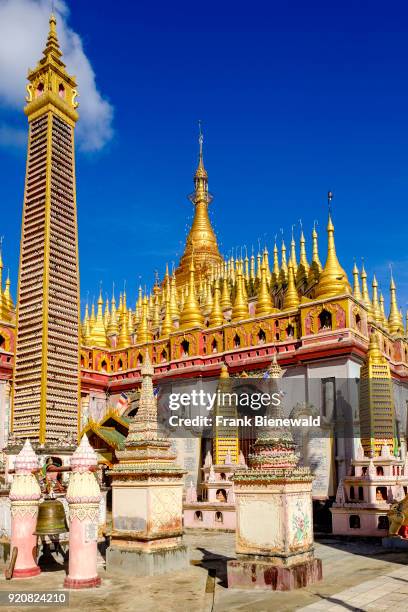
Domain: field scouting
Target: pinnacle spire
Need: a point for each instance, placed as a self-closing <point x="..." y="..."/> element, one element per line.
<point x="395" y="322"/>
<point x="356" y="283"/>
<point x="333" y="279"/>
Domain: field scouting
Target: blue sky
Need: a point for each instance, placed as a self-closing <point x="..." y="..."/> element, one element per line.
<point x="296" y="98"/>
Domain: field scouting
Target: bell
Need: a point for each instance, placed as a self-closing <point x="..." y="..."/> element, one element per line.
<point x="51" y="518"/>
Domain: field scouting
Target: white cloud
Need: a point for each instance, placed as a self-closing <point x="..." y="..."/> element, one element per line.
<point x="23" y="32"/>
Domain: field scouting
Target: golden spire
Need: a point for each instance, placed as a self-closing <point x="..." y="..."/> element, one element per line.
<point x="143" y="333"/>
<point x="120" y="306"/>
<point x="86" y="330"/>
<point x="374" y="354"/>
<point x="113" y="325"/>
<point x="225" y="296"/>
<point x="174" y="309"/>
<point x="208" y="304"/>
<point x="365" y="296"/>
<point x="333" y="279"/>
<point x="258" y="266"/>
<point x="252" y="272"/>
<point x="375" y="302"/>
<point x="216" y="316"/>
<point x="266" y="264"/>
<point x="246" y="268"/>
<point x="264" y="301"/>
<point x="124" y="338"/>
<point x="86" y="318"/>
<point x="356" y="284"/>
<point x="98" y="332"/>
<point x="291" y="298"/>
<point x="156" y="313"/>
<point x="191" y="315"/>
<point x="167" y="324"/>
<point x="52" y="46"/>
<point x="315" y="266"/>
<point x="395" y="323"/>
<point x="7" y="299"/>
<point x="240" y="307"/>
<point x="293" y="253"/>
<point x="275" y="264"/>
<point x="58" y="88"/>
<point x="201" y="240"/>
<point x="106" y="314"/>
<point x="303" y="269"/>
<point x="92" y="318"/>
<point x="284" y="266"/>
<point x="130" y="325"/>
<point x="384" y="321"/>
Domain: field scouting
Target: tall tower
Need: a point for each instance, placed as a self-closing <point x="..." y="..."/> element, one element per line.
<point x="376" y="401"/>
<point x="201" y="244"/>
<point x="46" y="376"/>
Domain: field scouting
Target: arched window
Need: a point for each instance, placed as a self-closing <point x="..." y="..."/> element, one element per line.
<point x="354" y="521"/>
<point x="104" y="366"/>
<point x="383" y="522"/>
<point x="163" y="355"/>
<point x="325" y="319"/>
<point x="221" y="495"/>
<point x="361" y="493"/>
<point x="223" y="476"/>
<point x="218" y="517"/>
<point x="237" y="341"/>
<point x="40" y="90"/>
<point x="380" y="470"/>
<point x="140" y="358"/>
<point x="82" y="361"/>
<point x="198" y="515"/>
<point x="61" y="91"/>
<point x="2" y="343"/>
<point x="214" y="346"/>
<point x="290" y="331"/>
<point x="352" y="494"/>
<point x="358" y="322"/>
<point x="381" y="494"/>
<point x="261" y="337"/>
<point x="120" y="364"/>
<point x="185" y="346"/>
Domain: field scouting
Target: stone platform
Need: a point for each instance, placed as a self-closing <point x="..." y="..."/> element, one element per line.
<point x="250" y="573"/>
<point x="132" y="562"/>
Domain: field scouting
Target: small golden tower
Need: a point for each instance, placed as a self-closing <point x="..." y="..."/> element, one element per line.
<point x="216" y="316"/>
<point x="226" y="438"/>
<point x="98" y="333"/>
<point x="395" y="323"/>
<point x="291" y="297"/>
<point x="356" y="283"/>
<point x="240" y="307"/>
<point x="333" y="279"/>
<point x="191" y="315"/>
<point x="377" y="418"/>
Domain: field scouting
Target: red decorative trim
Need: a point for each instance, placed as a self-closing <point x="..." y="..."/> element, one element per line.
<point x="77" y="583"/>
<point x="26" y="573"/>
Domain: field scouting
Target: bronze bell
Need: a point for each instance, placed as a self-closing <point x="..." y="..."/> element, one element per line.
<point x="51" y="518"/>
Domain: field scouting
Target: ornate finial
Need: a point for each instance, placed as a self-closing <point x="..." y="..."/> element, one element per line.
<point x="200" y="138"/>
<point x="329" y="200"/>
<point x="333" y="279"/>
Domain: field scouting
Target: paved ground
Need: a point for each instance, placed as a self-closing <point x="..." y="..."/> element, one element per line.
<point x="357" y="576"/>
